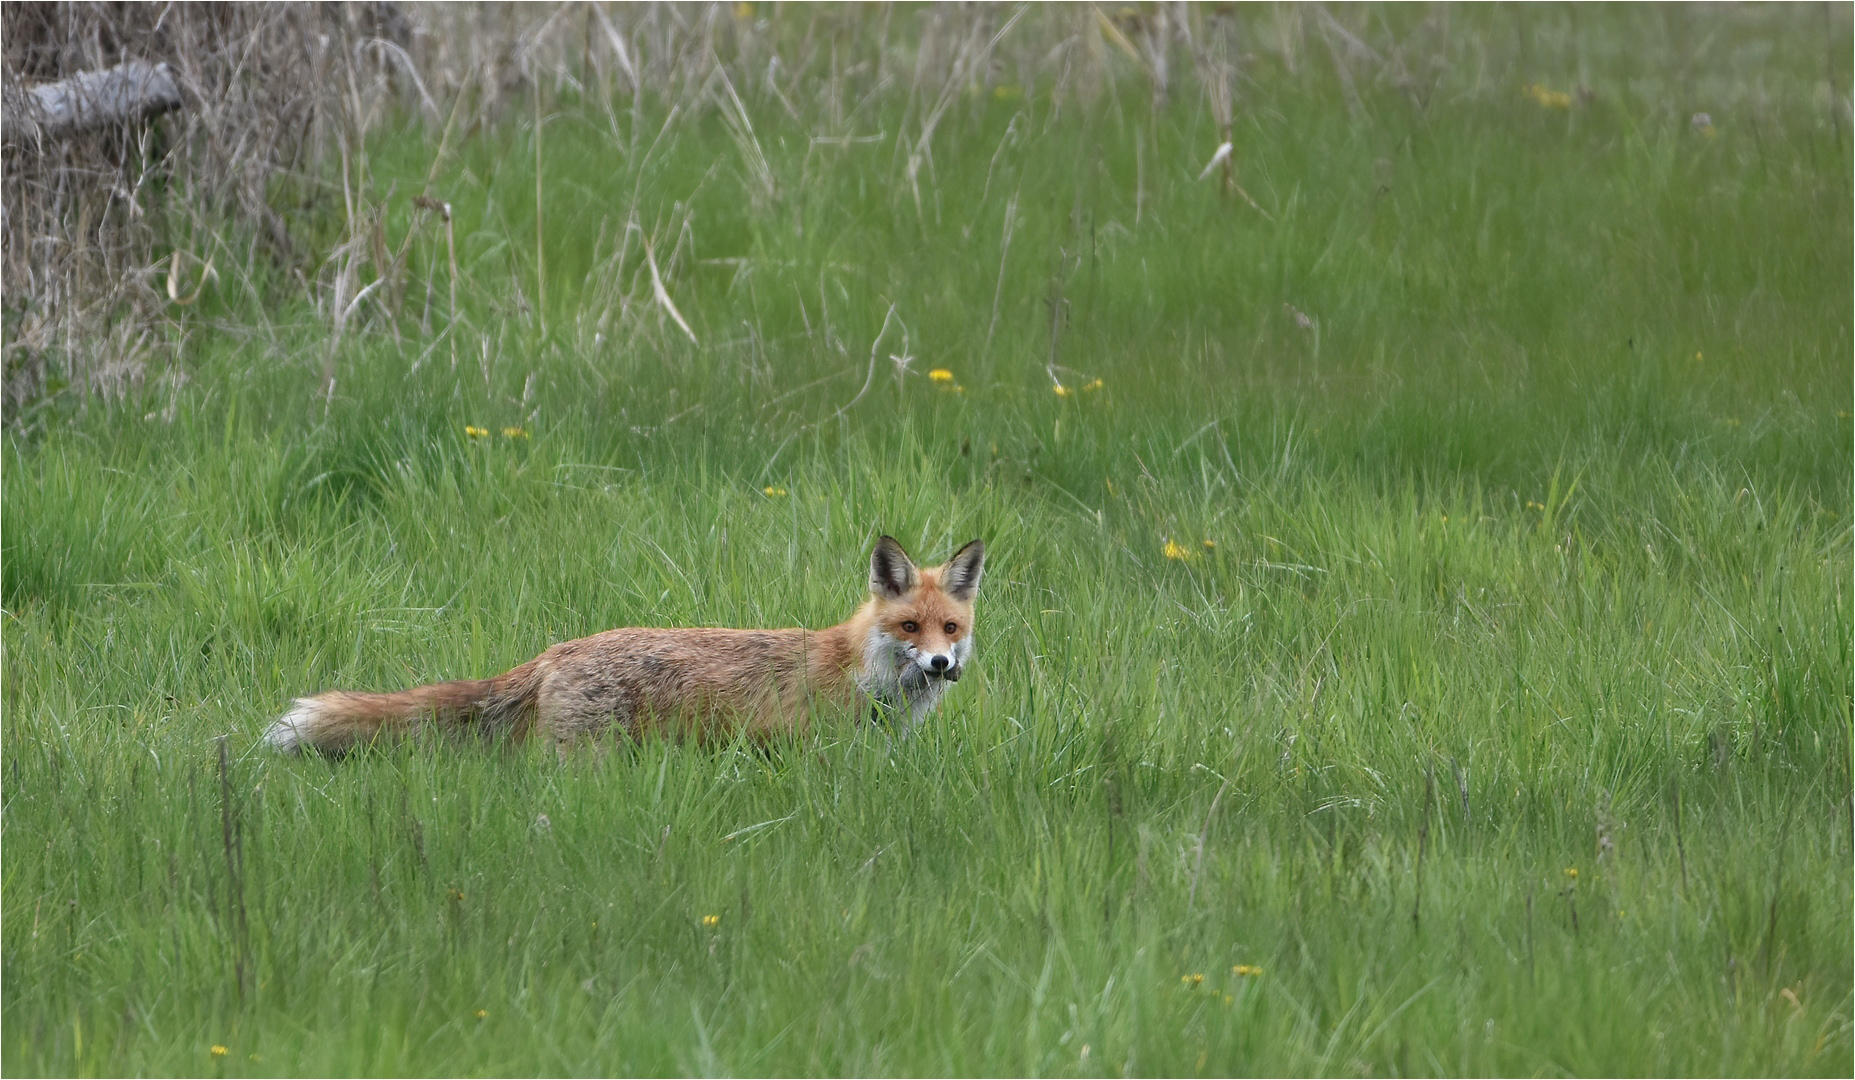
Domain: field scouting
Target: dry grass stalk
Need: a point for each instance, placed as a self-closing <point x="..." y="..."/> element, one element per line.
<point x="86" y="234"/>
<point x="280" y="96"/>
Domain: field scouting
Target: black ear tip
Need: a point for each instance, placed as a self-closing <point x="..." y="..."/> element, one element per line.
<point x="891" y="570"/>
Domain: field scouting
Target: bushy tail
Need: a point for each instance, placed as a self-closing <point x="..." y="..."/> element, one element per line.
<point x="339" y="720"/>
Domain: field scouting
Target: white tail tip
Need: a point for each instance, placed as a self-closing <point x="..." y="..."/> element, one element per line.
<point x="292" y="733"/>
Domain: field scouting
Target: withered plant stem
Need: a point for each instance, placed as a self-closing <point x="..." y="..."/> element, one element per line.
<point x="1423" y="843"/>
<point x="540" y="225"/>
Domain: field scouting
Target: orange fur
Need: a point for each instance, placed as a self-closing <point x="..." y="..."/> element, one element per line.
<point x="896" y="654"/>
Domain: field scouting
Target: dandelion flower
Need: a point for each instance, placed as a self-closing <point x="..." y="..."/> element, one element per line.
<point x="1571" y="872"/>
<point x="711" y="921"/>
<point x="514" y="433"/>
<point x="1061" y="390"/>
<point x="1175" y="550"/>
<point x="1246" y="969"/>
<point x="218" y="1051"/>
<point x="941" y="374"/>
<point x="475" y="432"/>
<point x="1551" y="99"/>
<point x="773" y="491"/>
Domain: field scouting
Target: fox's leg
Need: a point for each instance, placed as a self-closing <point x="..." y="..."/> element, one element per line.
<point x="572" y="712"/>
<point x="914" y="709"/>
<point x="785" y="714"/>
<point x="902" y="727"/>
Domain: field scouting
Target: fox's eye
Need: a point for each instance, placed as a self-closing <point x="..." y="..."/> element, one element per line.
<point x="910" y="627"/>
<point x="952" y="628"/>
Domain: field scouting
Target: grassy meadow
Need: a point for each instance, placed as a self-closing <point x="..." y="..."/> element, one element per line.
<point x="1415" y="638"/>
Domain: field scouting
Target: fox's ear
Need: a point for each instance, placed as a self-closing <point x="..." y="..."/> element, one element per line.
<point x="960" y="577"/>
<point x="892" y="572"/>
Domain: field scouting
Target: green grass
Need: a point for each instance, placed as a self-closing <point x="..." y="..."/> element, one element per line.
<point x="1532" y="554"/>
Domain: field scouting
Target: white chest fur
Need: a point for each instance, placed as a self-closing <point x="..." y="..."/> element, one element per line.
<point x="894" y="679"/>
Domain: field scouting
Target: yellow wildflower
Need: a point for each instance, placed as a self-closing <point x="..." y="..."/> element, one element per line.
<point x="1175" y="550"/>
<point x="218" y="1051"/>
<point x="1571" y="872"/>
<point x="1551" y="99"/>
<point x="1246" y="969"/>
<point x="1061" y="390"/>
<point x="711" y="921"/>
<point x="514" y="433"/>
<point x="1093" y="385"/>
<point x="474" y="431"/>
<point x="1210" y="545"/>
<point x="1192" y="980"/>
<point x="941" y="374"/>
<point x="482" y="1014"/>
<point x="773" y="490"/>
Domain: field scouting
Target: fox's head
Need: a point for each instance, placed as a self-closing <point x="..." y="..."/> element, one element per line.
<point x="925" y="616"/>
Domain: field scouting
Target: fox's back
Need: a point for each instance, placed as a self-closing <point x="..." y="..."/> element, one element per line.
<point x="640" y="677"/>
<point x="690" y="656"/>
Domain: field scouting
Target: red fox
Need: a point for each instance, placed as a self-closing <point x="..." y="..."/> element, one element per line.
<point x="896" y="654"/>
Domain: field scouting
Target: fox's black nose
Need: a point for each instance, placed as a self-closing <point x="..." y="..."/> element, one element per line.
<point x="938" y="663"/>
